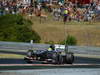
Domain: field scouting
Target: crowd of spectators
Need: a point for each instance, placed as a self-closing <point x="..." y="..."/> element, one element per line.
<point x="76" y="12"/>
<point x="8" y="7"/>
<point x="13" y="7"/>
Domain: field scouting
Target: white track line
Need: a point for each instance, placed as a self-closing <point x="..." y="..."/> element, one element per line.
<point x="49" y="65"/>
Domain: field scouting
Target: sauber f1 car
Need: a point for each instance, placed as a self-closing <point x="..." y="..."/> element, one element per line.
<point x="51" y="57"/>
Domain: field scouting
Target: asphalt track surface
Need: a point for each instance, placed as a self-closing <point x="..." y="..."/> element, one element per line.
<point x="20" y="64"/>
<point x="10" y="64"/>
<point x="78" y="60"/>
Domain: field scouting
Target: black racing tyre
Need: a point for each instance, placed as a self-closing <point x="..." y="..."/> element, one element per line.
<point x="69" y="58"/>
<point x="27" y="60"/>
<point x="55" y="58"/>
<point x="60" y="59"/>
<point x="29" y="53"/>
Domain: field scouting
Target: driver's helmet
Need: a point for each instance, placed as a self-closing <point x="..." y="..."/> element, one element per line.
<point x="52" y="46"/>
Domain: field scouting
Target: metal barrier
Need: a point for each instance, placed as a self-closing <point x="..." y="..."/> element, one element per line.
<point x="25" y="46"/>
<point x="21" y="45"/>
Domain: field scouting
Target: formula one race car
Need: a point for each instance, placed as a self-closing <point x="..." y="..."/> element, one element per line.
<point x="51" y="57"/>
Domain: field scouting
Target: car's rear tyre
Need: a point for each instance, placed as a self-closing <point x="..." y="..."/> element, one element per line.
<point x="69" y="58"/>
